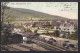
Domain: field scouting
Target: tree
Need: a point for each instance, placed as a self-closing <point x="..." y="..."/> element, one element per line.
<point x="5" y="32"/>
<point x="63" y="36"/>
<point x="33" y="25"/>
<point x="8" y="19"/>
<point x="22" y="28"/>
<point x="4" y="15"/>
<point x="5" y="35"/>
<point x="56" y="33"/>
<point x="73" y="36"/>
<point x="3" y="9"/>
<point x="28" y="30"/>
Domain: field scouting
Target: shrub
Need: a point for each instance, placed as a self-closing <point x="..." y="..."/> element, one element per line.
<point x="28" y="30"/>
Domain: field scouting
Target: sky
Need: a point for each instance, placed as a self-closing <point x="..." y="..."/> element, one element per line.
<point x="64" y="9"/>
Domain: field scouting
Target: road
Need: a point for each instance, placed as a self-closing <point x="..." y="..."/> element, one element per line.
<point x="60" y="41"/>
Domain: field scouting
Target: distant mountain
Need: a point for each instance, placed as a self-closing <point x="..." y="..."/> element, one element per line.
<point x="26" y="14"/>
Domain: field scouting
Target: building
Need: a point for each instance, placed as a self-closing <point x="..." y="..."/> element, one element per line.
<point x="16" y="38"/>
<point x="65" y="26"/>
<point x="17" y="28"/>
<point x="27" y="25"/>
<point x="42" y="31"/>
<point x="37" y="24"/>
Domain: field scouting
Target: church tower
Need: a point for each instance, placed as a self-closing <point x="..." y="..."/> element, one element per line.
<point x="31" y="21"/>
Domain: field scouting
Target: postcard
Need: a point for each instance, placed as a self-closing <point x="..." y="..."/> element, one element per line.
<point x="39" y="26"/>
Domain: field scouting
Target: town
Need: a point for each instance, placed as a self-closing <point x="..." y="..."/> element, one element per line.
<point x="55" y="34"/>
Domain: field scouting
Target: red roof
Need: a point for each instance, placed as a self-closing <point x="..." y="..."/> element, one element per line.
<point x="36" y="22"/>
<point x="63" y="21"/>
<point x="75" y="25"/>
<point x="17" y="26"/>
<point x="47" y="22"/>
<point x="28" y="33"/>
<point x="57" y="23"/>
<point x="42" y="22"/>
<point x="27" y="24"/>
<point x="71" y="22"/>
<point x="67" y="25"/>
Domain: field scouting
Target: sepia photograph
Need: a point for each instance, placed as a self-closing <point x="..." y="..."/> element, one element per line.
<point x="39" y="26"/>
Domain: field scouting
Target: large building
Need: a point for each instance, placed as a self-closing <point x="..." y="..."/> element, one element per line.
<point x="66" y="26"/>
<point x="37" y="24"/>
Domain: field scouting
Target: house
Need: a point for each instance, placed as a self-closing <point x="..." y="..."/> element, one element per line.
<point x="27" y="25"/>
<point x="65" y="25"/>
<point x="50" y="31"/>
<point x="34" y="29"/>
<point x="42" y="23"/>
<point x="17" y="28"/>
<point x="47" y="23"/>
<point x="56" y="25"/>
<point x="37" y="24"/>
<point x="75" y="25"/>
<point x="41" y="31"/>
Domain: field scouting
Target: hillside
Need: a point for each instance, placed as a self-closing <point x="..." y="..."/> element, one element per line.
<point x="26" y="14"/>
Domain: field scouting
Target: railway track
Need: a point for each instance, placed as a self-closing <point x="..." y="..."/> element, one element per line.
<point x="52" y="44"/>
<point x="19" y="47"/>
<point x="15" y="47"/>
<point x="9" y="48"/>
<point x="25" y="46"/>
<point x="58" y="46"/>
<point x="4" y="49"/>
<point x="48" y="46"/>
